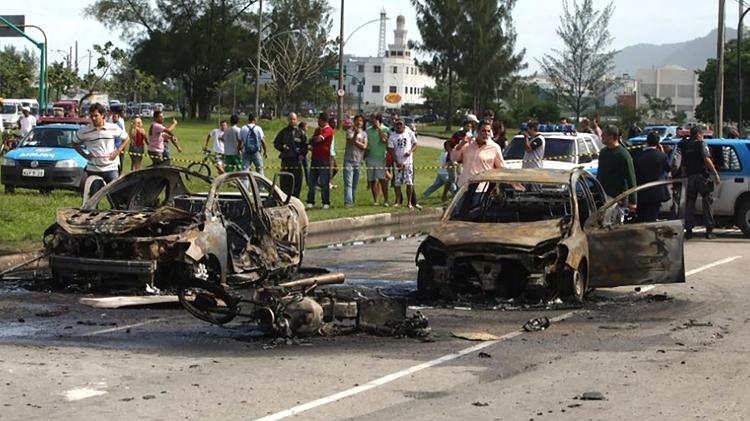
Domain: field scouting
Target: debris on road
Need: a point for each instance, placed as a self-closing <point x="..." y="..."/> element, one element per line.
<point x="536" y="324"/>
<point x="593" y="396"/>
<point x="123" y="301"/>
<point x="484" y="355"/>
<point x="477" y="403"/>
<point x="475" y="336"/>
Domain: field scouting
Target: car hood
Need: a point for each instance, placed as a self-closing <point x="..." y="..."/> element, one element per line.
<point x="115" y="222"/>
<point x="547" y="164"/>
<point x="38" y="153"/>
<point x="517" y="234"/>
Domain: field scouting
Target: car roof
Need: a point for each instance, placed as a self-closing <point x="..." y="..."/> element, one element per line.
<point x="63" y="126"/>
<point x="530" y="175"/>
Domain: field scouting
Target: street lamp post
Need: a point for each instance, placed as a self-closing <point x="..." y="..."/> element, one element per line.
<point x="739" y="71"/>
<point x="257" y="57"/>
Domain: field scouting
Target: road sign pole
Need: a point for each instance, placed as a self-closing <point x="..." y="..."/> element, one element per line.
<point x="42" y="46"/>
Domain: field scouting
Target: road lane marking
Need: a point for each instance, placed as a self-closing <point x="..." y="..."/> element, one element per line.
<point x="115" y="329"/>
<point x="697" y="270"/>
<point x="397" y="375"/>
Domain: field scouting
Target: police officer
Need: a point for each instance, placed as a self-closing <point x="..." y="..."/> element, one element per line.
<point x="693" y="160"/>
<point x="291" y="142"/>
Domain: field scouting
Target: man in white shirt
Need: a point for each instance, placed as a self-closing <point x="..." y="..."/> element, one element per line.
<point x="402" y="144"/>
<point x="27" y="122"/>
<point x="216" y="136"/>
<point x="99" y="140"/>
<point x="533" y="156"/>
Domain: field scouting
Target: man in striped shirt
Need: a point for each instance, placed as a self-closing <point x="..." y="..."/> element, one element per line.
<point x="98" y="139"/>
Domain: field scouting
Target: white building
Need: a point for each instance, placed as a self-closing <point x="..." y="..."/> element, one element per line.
<point x="675" y="82"/>
<point x="392" y="79"/>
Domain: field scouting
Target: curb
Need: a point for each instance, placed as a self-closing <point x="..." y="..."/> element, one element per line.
<point x="371" y="227"/>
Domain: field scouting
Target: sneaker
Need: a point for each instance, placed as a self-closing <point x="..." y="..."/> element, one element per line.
<point x="309" y="206"/>
<point x="386" y="204"/>
<point x="418" y="206"/>
<point x="326" y="206"/>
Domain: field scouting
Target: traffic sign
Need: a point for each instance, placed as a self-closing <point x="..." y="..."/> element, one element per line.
<point x="340" y="92"/>
<point x="17" y="20"/>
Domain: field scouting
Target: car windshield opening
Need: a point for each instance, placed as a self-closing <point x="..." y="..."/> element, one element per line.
<point x="512" y="202"/>
<point x="555" y="149"/>
<point x="50" y="138"/>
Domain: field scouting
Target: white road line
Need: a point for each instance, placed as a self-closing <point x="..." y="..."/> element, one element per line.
<point x="115" y="329"/>
<point x="697" y="270"/>
<point x="397" y="375"/>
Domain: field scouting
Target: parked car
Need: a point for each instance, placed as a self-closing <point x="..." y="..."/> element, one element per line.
<point x="167" y="225"/>
<point x="499" y="238"/>
<point x="410" y="123"/>
<point x="731" y="157"/>
<point x="44" y="160"/>
<point x="428" y="118"/>
<point x="563" y="150"/>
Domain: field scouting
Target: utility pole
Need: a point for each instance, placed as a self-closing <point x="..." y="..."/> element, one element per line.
<point x="341" y="69"/>
<point x="719" y="115"/>
<point x="740" y="88"/>
<point x="257" y="58"/>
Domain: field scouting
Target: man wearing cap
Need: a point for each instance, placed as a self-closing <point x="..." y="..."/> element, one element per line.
<point x="616" y="172"/>
<point x="651" y="164"/>
<point x="27" y="122"/>
<point x="692" y="159"/>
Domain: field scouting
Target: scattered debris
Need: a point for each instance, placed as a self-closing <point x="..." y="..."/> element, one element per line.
<point x="123" y="301"/>
<point x="593" y="396"/>
<point x="52" y="313"/>
<point x="536" y="324"/>
<point x="475" y="336"/>
<point x="477" y="403"/>
<point x="627" y="326"/>
<point x="693" y="323"/>
<point x="659" y="297"/>
<point x="484" y="355"/>
<point x="148" y="397"/>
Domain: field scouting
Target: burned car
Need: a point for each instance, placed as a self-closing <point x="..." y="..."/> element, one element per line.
<point x="164" y="225"/>
<point x="509" y="230"/>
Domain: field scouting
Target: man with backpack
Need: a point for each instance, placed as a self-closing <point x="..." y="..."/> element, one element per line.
<point x="253" y="143"/>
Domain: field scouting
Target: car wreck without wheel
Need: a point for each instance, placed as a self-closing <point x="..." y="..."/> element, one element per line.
<point x="507" y="231"/>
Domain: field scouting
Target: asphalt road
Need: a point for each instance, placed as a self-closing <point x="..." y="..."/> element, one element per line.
<point x="680" y="358"/>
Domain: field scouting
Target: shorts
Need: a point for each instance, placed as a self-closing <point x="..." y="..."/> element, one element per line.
<point x="136" y="151"/>
<point x="405" y="176"/>
<point x="219" y="159"/>
<point x="232" y="163"/>
<point x="375" y="169"/>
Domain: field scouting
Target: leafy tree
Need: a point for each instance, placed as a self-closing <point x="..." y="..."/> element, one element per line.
<point x="707" y="85"/>
<point x="438" y="22"/>
<point x="661" y="109"/>
<point x="630" y="115"/>
<point x="443" y="97"/>
<point x="580" y="68"/>
<point x="17" y="73"/>
<point x="488" y="59"/>
<point x="96" y="79"/>
<point x="132" y="83"/>
<point x="61" y="79"/>
<point x="194" y="41"/>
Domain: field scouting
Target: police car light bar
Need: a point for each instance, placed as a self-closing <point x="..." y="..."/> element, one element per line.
<point x="564" y="128"/>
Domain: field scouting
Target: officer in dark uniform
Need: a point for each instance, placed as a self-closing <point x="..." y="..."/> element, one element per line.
<point x="291" y="142"/>
<point x="693" y="160"/>
<point x="651" y="164"/>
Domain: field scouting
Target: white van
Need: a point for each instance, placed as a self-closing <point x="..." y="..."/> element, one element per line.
<point x="11" y="112"/>
<point x="32" y="104"/>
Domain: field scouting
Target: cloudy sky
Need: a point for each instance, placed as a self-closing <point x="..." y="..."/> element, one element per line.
<point x="634" y="21"/>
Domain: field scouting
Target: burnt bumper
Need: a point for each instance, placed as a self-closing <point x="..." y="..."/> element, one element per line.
<point x="69" y="264"/>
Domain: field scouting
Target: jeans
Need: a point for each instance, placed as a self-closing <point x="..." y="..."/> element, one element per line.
<point x="253" y="158"/>
<point x="295" y="168"/>
<point x="699" y="184"/>
<point x="351" y="180"/>
<point x="320" y="173"/>
<point x="107" y="176"/>
<point x="440" y="181"/>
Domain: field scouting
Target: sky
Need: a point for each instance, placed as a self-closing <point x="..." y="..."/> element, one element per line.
<point x="634" y="21"/>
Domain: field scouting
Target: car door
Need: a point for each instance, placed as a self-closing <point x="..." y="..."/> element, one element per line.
<point x="284" y="220"/>
<point x="734" y="179"/>
<point x="635" y="253"/>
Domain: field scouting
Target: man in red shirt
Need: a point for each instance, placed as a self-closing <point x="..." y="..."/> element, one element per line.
<point x="320" y="167"/>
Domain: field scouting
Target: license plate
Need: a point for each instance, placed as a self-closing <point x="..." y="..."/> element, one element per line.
<point x="31" y="172"/>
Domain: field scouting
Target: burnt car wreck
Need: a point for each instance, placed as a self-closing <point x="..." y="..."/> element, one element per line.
<point x="150" y="227"/>
<point x="508" y="232"/>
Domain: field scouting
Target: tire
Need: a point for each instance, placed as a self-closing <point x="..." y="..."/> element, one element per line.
<point x="200" y="168"/>
<point x="426" y="288"/>
<point x="205" y="295"/>
<point x="575" y="284"/>
<point x="743" y="217"/>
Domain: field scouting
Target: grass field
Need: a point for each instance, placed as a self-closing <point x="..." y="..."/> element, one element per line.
<point x="25" y="214"/>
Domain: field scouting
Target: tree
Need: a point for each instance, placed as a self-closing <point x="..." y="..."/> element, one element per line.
<point x="707" y="85"/>
<point x="580" y="69"/>
<point x="197" y="42"/>
<point x="17" y="69"/>
<point x="133" y="83"/>
<point x="488" y="59"/>
<point x="61" y="79"/>
<point x="96" y="79"/>
<point x="661" y="109"/>
<point x="438" y="22"/>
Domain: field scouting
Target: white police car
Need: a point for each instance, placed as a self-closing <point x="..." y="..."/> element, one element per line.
<point x="564" y="148"/>
<point x="44" y="160"/>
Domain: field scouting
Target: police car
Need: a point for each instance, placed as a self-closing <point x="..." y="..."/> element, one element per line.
<point x="731" y="157"/>
<point x="44" y="160"/>
<point x="564" y="149"/>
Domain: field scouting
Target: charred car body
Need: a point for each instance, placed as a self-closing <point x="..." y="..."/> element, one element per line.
<point x="149" y="227"/>
<point x="508" y="230"/>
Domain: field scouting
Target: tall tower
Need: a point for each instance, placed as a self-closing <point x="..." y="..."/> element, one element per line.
<point x="381" y="40"/>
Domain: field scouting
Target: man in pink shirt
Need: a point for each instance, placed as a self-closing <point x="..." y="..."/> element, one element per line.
<point x="479" y="154"/>
<point x="158" y="136"/>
